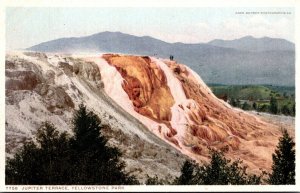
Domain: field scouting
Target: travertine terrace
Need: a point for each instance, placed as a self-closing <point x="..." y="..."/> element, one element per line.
<point x="160" y="111"/>
<point x="177" y="106"/>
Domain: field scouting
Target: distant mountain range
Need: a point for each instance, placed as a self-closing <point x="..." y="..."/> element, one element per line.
<point x="250" y="43"/>
<point x="247" y="60"/>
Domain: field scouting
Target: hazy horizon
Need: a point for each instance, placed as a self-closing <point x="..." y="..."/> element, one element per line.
<point x="26" y="27"/>
<point x="164" y="40"/>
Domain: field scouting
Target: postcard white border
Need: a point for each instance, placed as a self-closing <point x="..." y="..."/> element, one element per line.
<point x="153" y="3"/>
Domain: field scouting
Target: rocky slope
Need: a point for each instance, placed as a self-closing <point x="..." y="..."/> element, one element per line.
<point x="161" y="112"/>
<point x="42" y="87"/>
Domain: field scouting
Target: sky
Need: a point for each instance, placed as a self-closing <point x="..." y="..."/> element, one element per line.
<point x="28" y="26"/>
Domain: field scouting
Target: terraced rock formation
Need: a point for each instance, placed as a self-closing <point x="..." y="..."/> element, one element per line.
<point x="160" y="111"/>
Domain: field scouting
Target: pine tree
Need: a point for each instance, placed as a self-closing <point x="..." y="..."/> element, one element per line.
<point x="254" y="106"/>
<point x="54" y="154"/>
<point x="186" y="176"/>
<point x="283" y="168"/>
<point x="233" y="102"/>
<point x="155" y="181"/>
<point x="294" y="109"/>
<point x="94" y="161"/>
<point x="246" y="106"/>
<point x="216" y="171"/>
<point x="285" y="110"/>
<point x="20" y="170"/>
<point x="87" y="130"/>
<point x="55" y="159"/>
<point x="238" y="103"/>
<point x="273" y="105"/>
<point x="220" y="171"/>
<point x="46" y="162"/>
